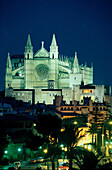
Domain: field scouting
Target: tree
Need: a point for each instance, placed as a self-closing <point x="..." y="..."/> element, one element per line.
<point x="26" y="136"/>
<point x="85" y="159"/>
<point x="92" y="130"/>
<point x="70" y="138"/>
<point x="49" y="126"/>
<point x="3" y="142"/>
<point x="53" y="152"/>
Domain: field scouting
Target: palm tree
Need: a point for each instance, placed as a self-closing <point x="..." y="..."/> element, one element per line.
<point x="92" y="130"/>
<point x="70" y="138"/>
<point x="53" y="152"/>
<point x="86" y="160"/>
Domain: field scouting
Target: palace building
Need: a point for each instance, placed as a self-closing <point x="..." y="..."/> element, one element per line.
<point x="38" y="77"/>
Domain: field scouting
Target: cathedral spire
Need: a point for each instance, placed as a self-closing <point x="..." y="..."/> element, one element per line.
<point x="76" y="64"/>
<point x="8" y="73"/>
<point x="8" y="65"/>
<point x="53" y="43"/>
<point x="54" y="48"/>
<point x="28" y="48"/>
<point x="29" y="44"/>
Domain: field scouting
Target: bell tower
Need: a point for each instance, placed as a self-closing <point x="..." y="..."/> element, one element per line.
<point x="8" y="74"/>
<point x="28" y="49"/>
<point x="28" y="64"/>
<point x="54" y="71"/>
<point x="54" y="48"/>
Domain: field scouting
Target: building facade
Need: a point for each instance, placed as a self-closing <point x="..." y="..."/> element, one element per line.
<point x="39" y="77"/>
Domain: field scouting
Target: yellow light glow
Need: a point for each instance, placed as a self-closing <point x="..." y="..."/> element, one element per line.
<point x="75" y="123"/>
<point x="62" y="130"/>
<point x="65" y="149"/>
<point x="87" y="91"/>
<point x="45" y="150"/>
<point x="85" y="146"/>
<point x="93" y="98"/>
<point x="89" y="147"/>
<point x="34" y="124"/>
<point x="110" y="122"/>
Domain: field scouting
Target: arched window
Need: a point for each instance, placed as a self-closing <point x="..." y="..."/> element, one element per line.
<point x="52" y="56"/>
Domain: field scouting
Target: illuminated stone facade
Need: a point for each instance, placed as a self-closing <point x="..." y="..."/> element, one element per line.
<point x="47" y="74"/>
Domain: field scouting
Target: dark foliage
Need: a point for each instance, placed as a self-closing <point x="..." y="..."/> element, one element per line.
<point x="3" y="142"/>
<point x="49" y="125"/>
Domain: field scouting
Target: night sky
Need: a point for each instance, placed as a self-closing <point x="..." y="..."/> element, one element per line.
<point x="84" y="26"/>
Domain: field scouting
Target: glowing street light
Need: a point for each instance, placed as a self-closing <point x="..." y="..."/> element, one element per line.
<point x="89" y="147"/>
<point x="45" y="150"/>
<point x="19" y="149"/>
<point x="6" y="152"/>
<point x="62" y="145"/>
<point x="65" y="149"/>
<point x="75" y="123"/>
<point x="110" y="122"/>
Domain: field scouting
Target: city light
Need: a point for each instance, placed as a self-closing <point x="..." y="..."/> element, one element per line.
<point x="19" y="149"/>
<point x="62" y="145"/>
<point x="45" y="150"/>
<point x="75" y="123"/>
<point x="6" y="152"/>
<point x="89" y="147"/>
<point x="110" y="122"/>
<point x="106" y="142"/>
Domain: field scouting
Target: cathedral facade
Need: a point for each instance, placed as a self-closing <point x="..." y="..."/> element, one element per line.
<point x="46" y="74"/>
<point x="46" y="70"/>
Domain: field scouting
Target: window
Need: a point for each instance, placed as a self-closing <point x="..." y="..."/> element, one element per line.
<point x="44" y="101"/>
<point x="51" y="84"/>
<point x="22" y="94"/>
<point x="18" y="94"/>
<point x="52" y="56"/>
<point x="27" y="56"/>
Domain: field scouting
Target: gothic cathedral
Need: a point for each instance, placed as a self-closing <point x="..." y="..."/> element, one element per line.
<point x="45" y="70"/>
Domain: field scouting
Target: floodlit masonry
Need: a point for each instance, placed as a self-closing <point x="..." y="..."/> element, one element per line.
<point x="39" y="77"/>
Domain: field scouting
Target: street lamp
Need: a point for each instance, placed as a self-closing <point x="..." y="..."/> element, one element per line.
<point x="75" y="123"/>
<point x="6" y="152"/>
<point x="45" y="150"/>
<point x="19" y="149"/>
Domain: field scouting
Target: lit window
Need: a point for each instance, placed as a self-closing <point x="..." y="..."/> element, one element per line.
<point x="18" y="94"/>
<point x="91" y="91"/>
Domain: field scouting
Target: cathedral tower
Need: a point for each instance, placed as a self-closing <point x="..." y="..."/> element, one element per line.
<point x="28" y="49"/>
<point x="54" y="48"/>
<point x="76" y="64"/>
<point x="28" y="64"/>
<point x="8" y="74"/>
<point x="53" y="77"/>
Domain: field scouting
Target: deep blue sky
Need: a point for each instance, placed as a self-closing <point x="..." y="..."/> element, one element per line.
<point x="84" y="26"/>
